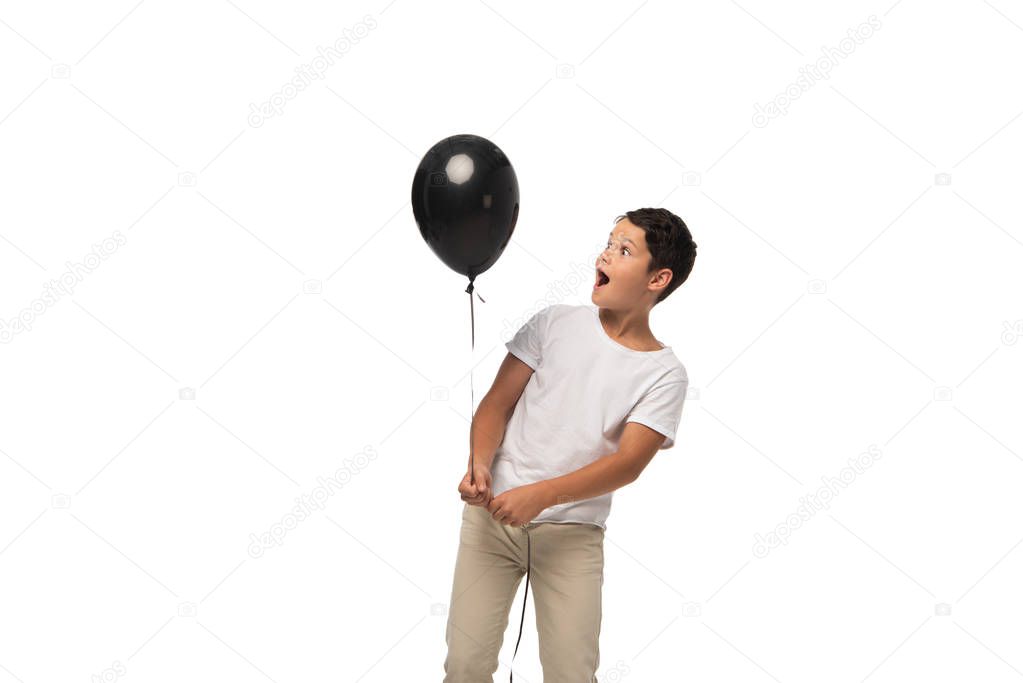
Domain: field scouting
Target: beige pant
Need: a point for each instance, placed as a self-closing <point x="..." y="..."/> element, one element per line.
<point x="566" y="580"/>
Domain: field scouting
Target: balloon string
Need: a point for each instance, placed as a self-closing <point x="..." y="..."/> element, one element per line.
<point x="472" y="395"/>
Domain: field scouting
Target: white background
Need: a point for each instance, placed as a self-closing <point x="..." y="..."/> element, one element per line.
<point x="856" y="291"/>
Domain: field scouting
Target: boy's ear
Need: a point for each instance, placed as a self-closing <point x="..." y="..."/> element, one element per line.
<point x="662" y="277"/>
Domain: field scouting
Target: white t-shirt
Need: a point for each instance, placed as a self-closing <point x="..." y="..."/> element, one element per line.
<point x="584" y="388"/>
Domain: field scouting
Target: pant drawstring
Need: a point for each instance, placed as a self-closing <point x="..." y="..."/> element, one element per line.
<point x="529" y="566"/>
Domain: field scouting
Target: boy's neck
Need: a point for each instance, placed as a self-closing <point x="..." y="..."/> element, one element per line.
<point x="631" y="326"/>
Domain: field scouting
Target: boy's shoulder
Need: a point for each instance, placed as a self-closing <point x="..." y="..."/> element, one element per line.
<point x="553" y="312"/>
<point x="561" y="310"/>
<point x="562" y="316"/>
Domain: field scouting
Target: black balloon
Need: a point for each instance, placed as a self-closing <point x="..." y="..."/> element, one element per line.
<point x="465" y="198"/>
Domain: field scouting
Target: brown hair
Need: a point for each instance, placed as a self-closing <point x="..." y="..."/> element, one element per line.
<point x="670" y="243"/>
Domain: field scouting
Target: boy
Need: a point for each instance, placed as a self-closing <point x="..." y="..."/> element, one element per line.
<point x="581" y="403"/>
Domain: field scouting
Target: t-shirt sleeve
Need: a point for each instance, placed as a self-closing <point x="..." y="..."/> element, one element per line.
<point x="660" y="408"/>
<point x="527" y="344"/>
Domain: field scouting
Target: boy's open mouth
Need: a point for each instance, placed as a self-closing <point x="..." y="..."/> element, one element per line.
<point x="602" y="279"/>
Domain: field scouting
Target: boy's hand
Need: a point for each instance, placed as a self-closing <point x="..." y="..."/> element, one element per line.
<point x="479" y="493"/>
<point x="520" y="505"/>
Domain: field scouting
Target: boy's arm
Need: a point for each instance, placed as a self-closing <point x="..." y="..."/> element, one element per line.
<point x="491" y="418"/>
<point x="636" y="449"/>
<point x="486" y="432"/>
